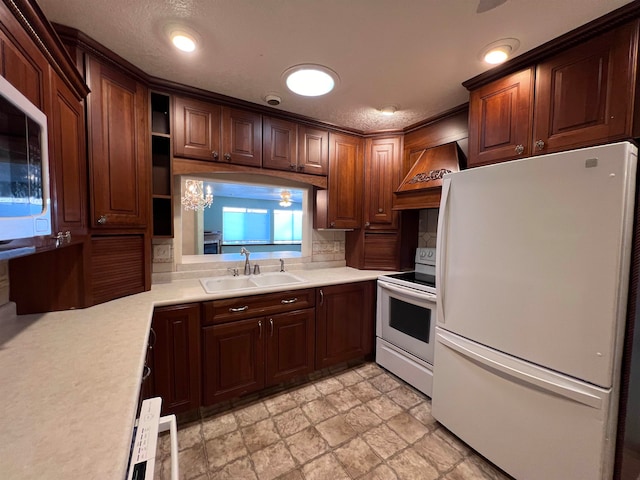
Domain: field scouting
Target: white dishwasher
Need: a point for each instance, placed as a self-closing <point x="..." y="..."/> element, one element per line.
<point x="143" y="450"/>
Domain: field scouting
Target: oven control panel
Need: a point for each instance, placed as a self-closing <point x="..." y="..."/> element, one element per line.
<point x="426" y="256"/>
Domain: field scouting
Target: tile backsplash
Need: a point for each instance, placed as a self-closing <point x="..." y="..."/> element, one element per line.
<point x="428" y="227"/>
<point x="327" y="249"/>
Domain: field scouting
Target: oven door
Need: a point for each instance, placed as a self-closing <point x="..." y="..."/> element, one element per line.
<point x="406" y="317"/>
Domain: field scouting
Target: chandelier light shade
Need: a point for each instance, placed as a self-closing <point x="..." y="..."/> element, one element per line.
<point x="194" y="197"/>
<point x="285" y="198"/>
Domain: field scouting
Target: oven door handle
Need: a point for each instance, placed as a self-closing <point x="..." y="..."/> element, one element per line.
<point x="404" y="291"/>
<point x="441" y="244"/>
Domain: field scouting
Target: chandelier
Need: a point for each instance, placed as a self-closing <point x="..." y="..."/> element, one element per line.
<point x="285" y="196"/>
<point x="194" y="197"/>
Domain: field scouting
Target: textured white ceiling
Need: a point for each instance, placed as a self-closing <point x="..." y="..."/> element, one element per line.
<point x="410" y="53"/>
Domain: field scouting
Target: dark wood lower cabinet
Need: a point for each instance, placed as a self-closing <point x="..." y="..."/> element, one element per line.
<point x="239" y="356"/>
<point x="344" y="322"/>
<point x="290" y="345"/>
<point x="175" y="358"/>
<point x="232" y="359"/>
<point x="244" y="356"/>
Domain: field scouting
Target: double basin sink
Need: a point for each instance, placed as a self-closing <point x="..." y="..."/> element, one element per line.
<point x="272" y="279"/>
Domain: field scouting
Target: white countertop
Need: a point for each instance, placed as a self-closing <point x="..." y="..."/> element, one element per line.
<point x="70" y="380"/>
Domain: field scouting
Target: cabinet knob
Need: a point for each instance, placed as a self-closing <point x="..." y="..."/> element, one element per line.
<point x="367" y="224"/>
<point x="519" y="149"/>
<point x="332" y="224"/>
<point x="227" y="157"/>
<point x="539" y="144"/>
<point x="292" y="167"/>
<point x="214" y="154"/>
<point x="102" y="220"/>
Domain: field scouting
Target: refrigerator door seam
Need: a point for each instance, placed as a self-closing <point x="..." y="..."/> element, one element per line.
<point x="565" y="391"/>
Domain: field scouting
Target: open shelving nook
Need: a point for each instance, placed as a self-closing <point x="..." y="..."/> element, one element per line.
<point x="161" y="165"/>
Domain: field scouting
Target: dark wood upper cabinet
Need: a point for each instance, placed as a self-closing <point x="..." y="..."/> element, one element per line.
<point x="279" y="144"/>
<point x="500" y="119"/>
<point x="119" y="173"/>
<point x="313" y="150"/>
<point x="25" y="68"/>
<point x="382" y="177"/>
<point x="584" y="95"/>
<point x="175" y="351"/>
<point x="68" y="157"/>
<point x="196" y="131"/>
<point x="241" y="137"/>
<point x="340" y="206"/>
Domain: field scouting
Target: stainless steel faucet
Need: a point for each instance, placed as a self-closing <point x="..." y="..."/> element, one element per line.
<point x="247" y="265"/>
<point x="281" y="265"/>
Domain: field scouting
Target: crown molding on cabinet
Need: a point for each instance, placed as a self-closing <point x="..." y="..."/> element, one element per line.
<point x="43" y="34"/>
<point x="624" y="14"/>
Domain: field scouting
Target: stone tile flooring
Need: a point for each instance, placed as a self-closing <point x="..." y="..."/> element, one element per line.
<point x="357" y="423"/>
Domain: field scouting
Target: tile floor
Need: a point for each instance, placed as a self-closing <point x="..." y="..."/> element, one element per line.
<point x="357" y="423"/>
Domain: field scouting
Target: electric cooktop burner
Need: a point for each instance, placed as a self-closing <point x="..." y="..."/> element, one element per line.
<point x="415" y="277"/>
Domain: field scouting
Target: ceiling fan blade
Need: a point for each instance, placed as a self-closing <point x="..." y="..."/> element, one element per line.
<point x="486" y="5"/>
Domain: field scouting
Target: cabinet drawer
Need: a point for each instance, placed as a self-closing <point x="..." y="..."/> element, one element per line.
<point x="230" y="309"/>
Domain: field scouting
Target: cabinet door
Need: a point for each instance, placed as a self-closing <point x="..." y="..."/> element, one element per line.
<point x="500" y="119"/>
<point x="340" y="206"/>
<point x="290" y="345"/>
<point x="241" y="137"/>
<point x="68" y="158"/>
<point x="118" y="148"/>
<point x="279" y="144"/>
<point x="176" y="357"/>
<point x="344" y="322"/>
<point x="232" y="359"/>
<point x="381" y="250"/>
<point x="117" y="267"/>
<point x="382" y="171"/>
<point x="582" y="94"/>
<point x="25" y="68"/>
<point x="196" y="129"/>
<point x="313" y="150"/>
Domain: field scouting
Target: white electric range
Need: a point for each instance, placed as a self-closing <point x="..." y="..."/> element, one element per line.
<point x="405" y="322"/>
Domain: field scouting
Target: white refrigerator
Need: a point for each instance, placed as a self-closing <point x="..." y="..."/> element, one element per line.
<point x="532" y="279"/>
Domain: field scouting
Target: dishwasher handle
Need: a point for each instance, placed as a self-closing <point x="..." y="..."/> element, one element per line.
<point x="168" y="422"/>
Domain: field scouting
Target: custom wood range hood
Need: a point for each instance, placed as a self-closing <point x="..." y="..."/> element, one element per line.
<point x="422" y="186"/>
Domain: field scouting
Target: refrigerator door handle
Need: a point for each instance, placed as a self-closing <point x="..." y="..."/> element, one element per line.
<point x="441" y="249"/>
<point x="558" y="387"/>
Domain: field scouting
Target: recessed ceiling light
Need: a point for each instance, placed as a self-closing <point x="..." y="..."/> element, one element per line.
<point x="183" y="41"/>
<point x="499" y="51"/>
<point x="388" y="111"/>
<point x="497" y="55"/>
<point x="310" y="80"/>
